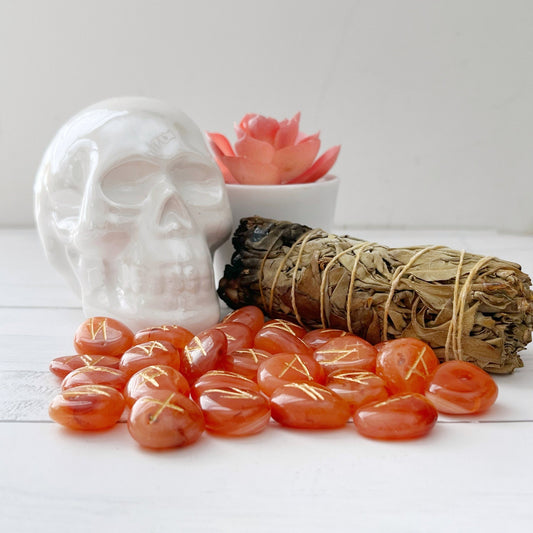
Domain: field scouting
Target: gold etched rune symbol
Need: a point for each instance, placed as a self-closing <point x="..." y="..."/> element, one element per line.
<point x="101" y="327"/>
<point x="199" y="346"/>
<point x="83" y="369"/>
<point x="89" y="361"/>
<point x="87" y="391"/>
<point x="311" y="391"/>
<point x="329" y="330"/>
<point x="415" y="370"/>
<point x="149" y="374"/>
<point x="163" y="405"/>
<point x="391" y="399"/>
<point x="255" y="355"/>
<point x="303" y="370"/>
<point x="279" y="324"/>
<point x="149" y="350"/>
<point x="187" y="355"/>
<point x="223" y="373"/>
<point x="228" y="317"/>
<point x="354" y="377"/>
<point x="226" y="373"/>
<point x="233" y="392"/>
<point x="165" y="327"/>
<point x="342" y="355"/>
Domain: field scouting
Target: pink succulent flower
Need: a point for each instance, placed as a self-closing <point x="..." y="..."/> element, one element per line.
<point x="268" y="152"/>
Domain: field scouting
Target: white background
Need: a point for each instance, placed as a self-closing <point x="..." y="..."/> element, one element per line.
<point x="431" y="101"/>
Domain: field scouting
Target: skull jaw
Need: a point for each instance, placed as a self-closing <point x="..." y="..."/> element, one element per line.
<point x="144" y="289"/>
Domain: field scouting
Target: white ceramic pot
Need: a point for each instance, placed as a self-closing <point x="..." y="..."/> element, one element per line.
<point x="312" y="204"/>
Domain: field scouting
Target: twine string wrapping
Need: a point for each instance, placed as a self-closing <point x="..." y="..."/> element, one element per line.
<point x="453" y="345"/>
<point x="450" y="337"/>
<point x="282" y="264"/>
<point x="366" y="246"/>
<point x="396" y="278"/>
<point x="325" y="278"/>
<point x="467" y="287"/>
<point x="261" y="272"/>
<point x="304" y="241"/>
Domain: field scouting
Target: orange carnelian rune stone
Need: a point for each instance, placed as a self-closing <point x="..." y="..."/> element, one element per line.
<point x="244" y="362"/>
<point x="308" y="405"/>
<point x="61" y="366"/>
<point x="357" y="388"/>
<point x="277" y="339"/>
<point x="249" y="315"/>
<point x="317" y="337"/>
<point x="379" y="346"/>
<point x="95" y="375"/>
<point x="155" y="377"/>
<point x="87" y="407"/>
<point x="348" y="352"/>
<point x="102" y="336"/>
<point x="239" y="336"/>
<point x="234" y="411"/>
<point x="287" y="368"/>
<point x="404" y="416"/>
<point x="165" y="419"/>
<point x="220" y="378"/>
<point x="278" y="324"/>
<point x="147" y="354"/>
<point x="406" y="365"/>
<point x="203" y="353"/>
<point x="461" y="388"/>
<point x="176" y="335"/>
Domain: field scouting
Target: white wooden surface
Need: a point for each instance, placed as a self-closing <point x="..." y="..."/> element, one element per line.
<point x="467" y="475"/>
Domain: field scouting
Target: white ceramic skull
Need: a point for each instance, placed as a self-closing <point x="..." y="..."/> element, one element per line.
<point x="130" y="207"/>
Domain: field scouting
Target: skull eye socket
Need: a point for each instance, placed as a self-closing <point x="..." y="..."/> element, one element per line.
<point x="129" y="183"/>
<point x="67" y="184"/>
<point x="197" y="182"/>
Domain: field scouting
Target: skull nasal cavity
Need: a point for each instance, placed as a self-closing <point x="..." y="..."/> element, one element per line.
<point x="174" y="215"/>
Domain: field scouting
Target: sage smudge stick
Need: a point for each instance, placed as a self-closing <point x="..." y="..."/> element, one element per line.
<point x="466" y="306"/>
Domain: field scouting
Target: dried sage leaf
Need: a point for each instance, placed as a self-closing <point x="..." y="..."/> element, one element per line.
<point x="466" y="306"/>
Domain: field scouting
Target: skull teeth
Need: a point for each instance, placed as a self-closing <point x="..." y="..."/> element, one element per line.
<point x="178" y="282"/>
